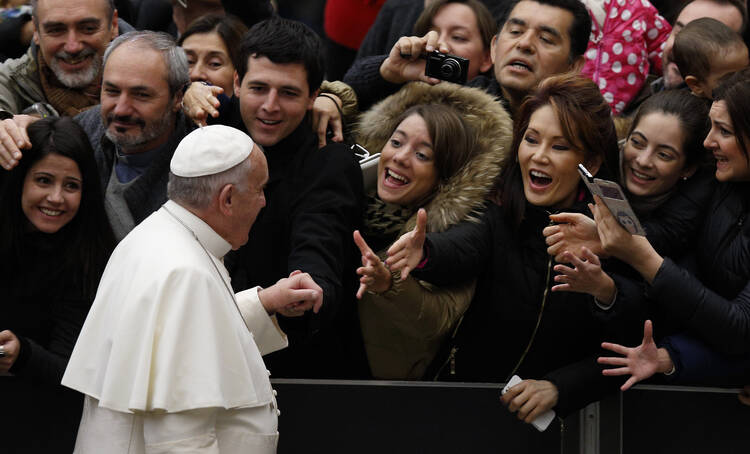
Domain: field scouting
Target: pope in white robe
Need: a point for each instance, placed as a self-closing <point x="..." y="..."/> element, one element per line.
<point x="169" y="358"/>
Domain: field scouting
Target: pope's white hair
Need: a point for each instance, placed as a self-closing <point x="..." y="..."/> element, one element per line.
<point x="197" y="192"/>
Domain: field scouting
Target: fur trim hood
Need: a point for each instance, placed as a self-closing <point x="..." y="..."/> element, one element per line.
<point x="463" y="195"/>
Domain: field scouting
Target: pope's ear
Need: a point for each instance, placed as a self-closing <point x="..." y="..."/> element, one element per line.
<point x="225" y="199"/>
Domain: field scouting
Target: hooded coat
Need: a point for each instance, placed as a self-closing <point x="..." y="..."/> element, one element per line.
<point x="404" y="327"/>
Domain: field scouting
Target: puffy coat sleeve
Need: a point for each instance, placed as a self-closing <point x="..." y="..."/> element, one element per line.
<point x="724" y="324"/>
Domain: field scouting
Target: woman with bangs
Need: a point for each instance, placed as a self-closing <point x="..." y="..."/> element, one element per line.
<point x="515" y="325"/>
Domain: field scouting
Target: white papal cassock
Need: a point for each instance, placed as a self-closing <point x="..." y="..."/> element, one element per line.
<point x="165" y="359"/>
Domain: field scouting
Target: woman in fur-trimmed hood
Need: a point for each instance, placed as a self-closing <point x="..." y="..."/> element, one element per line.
<point x="462" y="135"/>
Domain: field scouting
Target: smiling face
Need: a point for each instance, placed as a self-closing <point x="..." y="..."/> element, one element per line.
<point x="209" y="60"/>
<point x="456" y="25"/>
<point x="534" y="43"/>
<point x="136" y="105"/>
<point x="51" y="193"/>
<point x="549" y="162"/>
<point x="653" y="157"/>
<point x="406" y="170"/>
<point x="274" y="98"/>
<point x="72" y="36"/>
<point x="731" y="161"/>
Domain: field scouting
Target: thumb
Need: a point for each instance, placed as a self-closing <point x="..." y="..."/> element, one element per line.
<point x="421" y="227"/>
<point x="294" y="273"/>
<point x="648" y="332"/>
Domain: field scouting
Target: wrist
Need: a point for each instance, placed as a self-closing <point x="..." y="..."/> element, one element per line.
<point x="388" y="74"/>
<point x="264" y="297"/>
<point x="664" y="362"/>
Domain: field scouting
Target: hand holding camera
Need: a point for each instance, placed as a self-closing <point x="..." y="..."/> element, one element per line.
<point x="425" y="59"/>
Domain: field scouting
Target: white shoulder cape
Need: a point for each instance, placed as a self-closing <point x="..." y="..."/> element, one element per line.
<point x="163" y="333"/>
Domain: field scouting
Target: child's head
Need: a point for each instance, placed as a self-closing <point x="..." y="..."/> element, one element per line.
<point x="706" y="50"/>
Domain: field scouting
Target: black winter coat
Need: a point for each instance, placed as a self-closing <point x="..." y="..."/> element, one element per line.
<point x="514" y="277"/>
<point x="716" y="305"/>
<point x="314" y="200"/>
<point x="46" y="312"/>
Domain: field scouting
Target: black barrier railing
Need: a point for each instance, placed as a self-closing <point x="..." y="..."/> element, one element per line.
<point x="331" y="416"/>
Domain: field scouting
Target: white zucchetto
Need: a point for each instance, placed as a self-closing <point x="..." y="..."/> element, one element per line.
<point x="210" y="150"/>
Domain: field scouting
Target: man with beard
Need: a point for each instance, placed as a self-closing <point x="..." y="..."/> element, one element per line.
<point x="138" y="125"/>
<point x="60" y="71"/>
<point x="135" y="129"/>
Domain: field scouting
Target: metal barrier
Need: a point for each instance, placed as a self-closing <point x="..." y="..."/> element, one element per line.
<point x="332" y="416"/>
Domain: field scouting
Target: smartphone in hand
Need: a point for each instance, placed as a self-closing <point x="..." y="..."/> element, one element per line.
<point x="613" y="196"/>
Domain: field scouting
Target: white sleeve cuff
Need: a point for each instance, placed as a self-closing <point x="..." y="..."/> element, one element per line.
<point x="605" y="306"/>
<point x="265" y="329"/>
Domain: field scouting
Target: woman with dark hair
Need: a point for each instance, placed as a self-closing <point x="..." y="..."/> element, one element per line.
<point x="664" y="174"/>
<point x="210" y="43"/>
<point x="514" y="324"/>
<point x="55" y="241"/>
<point x="441" y="148"/>
<point x="712" y="304"/>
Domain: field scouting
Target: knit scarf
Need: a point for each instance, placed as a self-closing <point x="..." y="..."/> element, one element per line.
<point x="66" y="101"/>
<point x="383" y="221"/>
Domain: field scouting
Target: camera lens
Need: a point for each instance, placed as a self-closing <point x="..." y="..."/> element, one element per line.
<point x="450" y="68"/>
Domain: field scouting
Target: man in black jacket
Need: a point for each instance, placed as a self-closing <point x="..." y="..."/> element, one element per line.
<point x="313" y="196"/>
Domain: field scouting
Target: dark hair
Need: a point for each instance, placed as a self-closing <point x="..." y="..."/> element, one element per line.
<point x="452" y="138"/>
<point x="485" y="22"/>
<point x="692" y="113"/>
<point x="734" y="90"/>
<point x="579" y="30"/>
<point x="229" y="28"/>
<point x="739" y="4"/>
<point x="284" y="41"/>
<point x="88" y="234"/>
<point x="585" y="120"/>
<point x="699" y="43"/>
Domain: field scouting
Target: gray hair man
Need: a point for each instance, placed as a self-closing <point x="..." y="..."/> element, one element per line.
<point x="169" y="357"/>
<point x="60" y="72"/>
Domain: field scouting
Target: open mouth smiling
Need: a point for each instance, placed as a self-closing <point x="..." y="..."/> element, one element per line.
<point x="539" y="179"/>
<point x="395" y="179"/>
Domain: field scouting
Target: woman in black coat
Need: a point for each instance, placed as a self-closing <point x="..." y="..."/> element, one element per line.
<point x="54" y="242"/>
<point x="713" y="304"/>
<point x="514" y="324"/>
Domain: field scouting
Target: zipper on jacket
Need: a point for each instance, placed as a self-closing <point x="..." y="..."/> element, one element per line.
<point x="451" y="360"/>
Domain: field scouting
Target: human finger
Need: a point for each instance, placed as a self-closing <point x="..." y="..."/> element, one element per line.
<point x="336" y="124"/>
<point x="550" y="229"/>
<point x="613" y="360"/>
<point x="430" y="41"/>
<point x="630" y="382"/>
<point x="322" y="129"/>
<point x="648" y="332"/>
<point x="590" y="256"/>
<point x="617" y="348"/>
<point x="511" y="394"/>
<point x="553" y="238"/>
<point x="361" y="291"/>
<point x="616" y="371"/>
<point x="562" y="288"/>
<point x="364" y="249"/>
<point x="566" y="218"/>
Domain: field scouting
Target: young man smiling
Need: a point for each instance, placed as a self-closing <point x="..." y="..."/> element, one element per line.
<point x="314" y="196"/>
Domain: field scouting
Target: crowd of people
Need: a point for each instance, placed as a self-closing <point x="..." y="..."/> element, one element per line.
<point x="184" y="208"/>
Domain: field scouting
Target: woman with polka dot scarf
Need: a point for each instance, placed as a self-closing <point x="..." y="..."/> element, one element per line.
<point x="627" y="37"/>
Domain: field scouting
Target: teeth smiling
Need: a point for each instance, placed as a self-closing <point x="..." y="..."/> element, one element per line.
<point x="395" y="176"/>
<point x="49" y="212"/>
<point x="538" y="174"/>
<point x="269" y="122"/>
<point x="640" y="175"/>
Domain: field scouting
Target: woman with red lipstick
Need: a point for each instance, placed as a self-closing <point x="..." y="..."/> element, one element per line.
<point x="514" y="324"/>
<point x="711" y="304"/>
<point x="441" y="148"/>
<point x="54" y="242"/>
